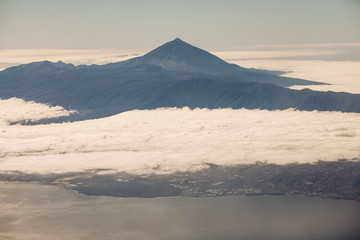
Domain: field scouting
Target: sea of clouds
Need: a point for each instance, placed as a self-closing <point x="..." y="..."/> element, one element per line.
<point x="338" y="65"/>
<point x="168" y="140"/>
<point x="172" y="139"/>
<point x="342" y="76"/>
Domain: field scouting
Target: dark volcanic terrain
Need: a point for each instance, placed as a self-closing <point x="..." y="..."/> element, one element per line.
<point x="175" y="74"/>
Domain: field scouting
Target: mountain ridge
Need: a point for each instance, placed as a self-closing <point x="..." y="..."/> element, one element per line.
<point x="138" y="83"/>
<point x="179" y="57"/>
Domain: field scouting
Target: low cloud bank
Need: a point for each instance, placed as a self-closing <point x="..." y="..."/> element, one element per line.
<point x="343" y="76"/>
<point x="168" y="140"/>
<point x="16" y="110"/>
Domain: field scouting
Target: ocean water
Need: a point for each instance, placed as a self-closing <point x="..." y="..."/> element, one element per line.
<point x="33" y="211"/>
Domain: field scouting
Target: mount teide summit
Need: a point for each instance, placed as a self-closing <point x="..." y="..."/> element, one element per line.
<point x="178" y="55"/>
<point x="175" y="74"/>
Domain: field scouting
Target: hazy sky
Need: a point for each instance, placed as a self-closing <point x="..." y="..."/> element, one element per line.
<point x="211" y="24"/>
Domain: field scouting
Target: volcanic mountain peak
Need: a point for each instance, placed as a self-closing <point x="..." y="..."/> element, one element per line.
<point x="178" y="41"/>
<point x="178" y="55"/>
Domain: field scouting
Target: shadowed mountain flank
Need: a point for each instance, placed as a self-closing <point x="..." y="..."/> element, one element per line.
<point x="175" y="74"/>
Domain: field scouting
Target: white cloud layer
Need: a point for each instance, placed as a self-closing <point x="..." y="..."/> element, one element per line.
<point x="344" y="76"/>
<point x="168" y="140"/>
<point x="15" y="110"/>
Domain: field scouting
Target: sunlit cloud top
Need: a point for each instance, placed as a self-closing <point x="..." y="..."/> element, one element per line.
<point x="169" y="140"/>
<point x="15" y="110"/>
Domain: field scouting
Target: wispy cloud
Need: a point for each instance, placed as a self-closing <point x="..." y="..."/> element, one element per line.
<point x="13" y="57"/>
<point x="269" y="54"/>
<point x="311" y="45"/>
<point x="168" y="140"/>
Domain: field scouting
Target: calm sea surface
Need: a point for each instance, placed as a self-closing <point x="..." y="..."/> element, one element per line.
<point x="34" y="211"/>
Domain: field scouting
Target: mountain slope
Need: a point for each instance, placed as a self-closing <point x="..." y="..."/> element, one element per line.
<point x="173" y="75"/>
<point x="178" y="57"/>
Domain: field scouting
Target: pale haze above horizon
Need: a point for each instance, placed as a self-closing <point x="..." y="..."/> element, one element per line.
<point x="214" y="24"/>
